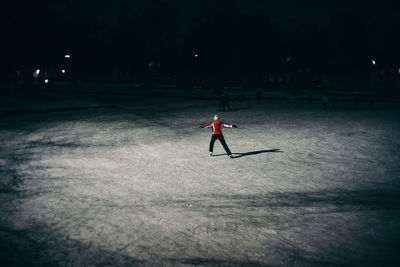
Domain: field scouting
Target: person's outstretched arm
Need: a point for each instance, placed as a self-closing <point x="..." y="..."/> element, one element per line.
<point x="208" y="125"/>
<point x="228" y="125"/>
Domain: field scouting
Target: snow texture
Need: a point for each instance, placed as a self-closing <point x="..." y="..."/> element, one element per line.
<point x="130" y="182"/>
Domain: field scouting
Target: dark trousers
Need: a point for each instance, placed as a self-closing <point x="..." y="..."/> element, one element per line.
<point x="223" y="105"/>
<point x="221" y="138"/>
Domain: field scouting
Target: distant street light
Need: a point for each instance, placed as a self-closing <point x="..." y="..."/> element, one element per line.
<point x="63" y="71"/>
<point x="196" y="55"/>
<point x="373" y="62"/>
<point x="67" y="56"/>
<point x="37" y="71"/>
<point x="46" y="80"/>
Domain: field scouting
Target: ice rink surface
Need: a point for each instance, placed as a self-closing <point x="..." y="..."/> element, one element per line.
<point x="130" y="182"/>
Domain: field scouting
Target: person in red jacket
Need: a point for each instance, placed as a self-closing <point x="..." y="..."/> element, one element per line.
<point x="217" y="134"/>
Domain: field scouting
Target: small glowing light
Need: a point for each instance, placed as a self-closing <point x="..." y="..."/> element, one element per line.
<point x="63" y="71"/>
<point x="373" y="62"/>
<point x="196" y="55"/>
<point x="37" y="71"/>
<point x="399" y="70"/>
<point x="67" y="56"/>
<point x="46" y="80"/>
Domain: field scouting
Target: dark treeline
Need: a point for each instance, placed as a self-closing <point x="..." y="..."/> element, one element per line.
<point x="130" y="39"/>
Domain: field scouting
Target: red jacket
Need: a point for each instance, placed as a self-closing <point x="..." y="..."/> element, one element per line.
<point x="216" y="126"/>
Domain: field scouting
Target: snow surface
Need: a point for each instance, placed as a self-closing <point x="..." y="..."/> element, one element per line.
<point x="131" y="182"/>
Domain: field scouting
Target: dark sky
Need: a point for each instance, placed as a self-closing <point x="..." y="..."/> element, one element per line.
<point x="281" y="11"/>
<point x="55" y="26"/>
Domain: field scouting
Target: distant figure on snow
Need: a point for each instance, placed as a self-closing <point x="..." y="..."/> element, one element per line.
<point x="217" y="134"/>
<point x="310" y="100"/>
<point x="325" y="100"/>
<point x="334" y="100"/>
<point x="356" y="102"/>
<point x="224" y="102"/>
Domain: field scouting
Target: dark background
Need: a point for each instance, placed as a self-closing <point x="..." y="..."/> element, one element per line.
<point x="252" y="43"/>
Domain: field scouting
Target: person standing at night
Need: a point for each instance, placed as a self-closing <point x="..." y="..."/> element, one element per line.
<point x="259" y="95"/>
<point x="217" y="134"/>
<point x="224" y="102"/>
<point x="325" y="100"/>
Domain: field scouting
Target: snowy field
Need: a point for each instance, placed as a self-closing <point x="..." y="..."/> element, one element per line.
<point x="129" y="182"/>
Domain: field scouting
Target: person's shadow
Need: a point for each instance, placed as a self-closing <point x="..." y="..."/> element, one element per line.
<point x="239" y="155"/>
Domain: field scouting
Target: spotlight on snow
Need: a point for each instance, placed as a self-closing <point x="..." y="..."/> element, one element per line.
<point x="63" y="71"/>
<point x="46" y="80"/>
<point x="67" y="56"/>
<point x="373" y="62"/>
